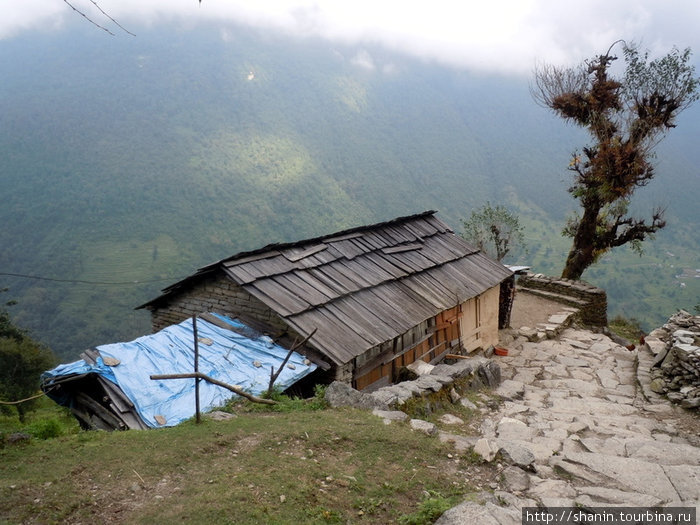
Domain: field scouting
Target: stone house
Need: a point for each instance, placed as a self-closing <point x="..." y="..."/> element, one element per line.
<point x="377" y="297"/>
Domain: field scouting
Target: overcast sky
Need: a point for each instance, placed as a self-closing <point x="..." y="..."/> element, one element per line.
<point x="493" y="35"/>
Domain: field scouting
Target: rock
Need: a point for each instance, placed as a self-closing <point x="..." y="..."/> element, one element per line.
<point x="424" y="426"/>
<point x="529" y="333"/>
<point x="486" y="449"/>
<point x="619" y="497"/>
<point x="454" y="396"/>
<point x="515" y="479"/>
<point x="657" y="386"/>
<point x="420" y="367"/>
<point x="511" y="390"/>
<point x="483" y="514"/>
<point x="468" y="404"/>
<point x="342" y="395"/>
<point x="450" y="419"/>
<point x="686" y="480"/>
<point x="513" y="429"/>
<point x="219" y="415"/>
<point x="632" y="474"/>
<point x="461" y="443"/>
<point x="18" y="438"/>
<point x="391" y="415"/>
<point x="490" y="374"/>
<point x="515" y="454"/>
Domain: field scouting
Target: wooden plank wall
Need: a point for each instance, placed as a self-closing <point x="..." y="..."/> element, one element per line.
<point x="428" y="342"/>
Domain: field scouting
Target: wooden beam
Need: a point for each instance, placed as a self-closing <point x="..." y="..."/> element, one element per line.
<point x="235" y="389"/>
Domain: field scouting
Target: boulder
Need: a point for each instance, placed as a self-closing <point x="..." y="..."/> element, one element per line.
<point x="343" y="395"/>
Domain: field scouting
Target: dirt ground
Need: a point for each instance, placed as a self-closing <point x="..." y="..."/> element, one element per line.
<point x="529" y="309"/>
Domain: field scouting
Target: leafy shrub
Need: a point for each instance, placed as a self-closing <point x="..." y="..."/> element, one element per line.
<point x="45" y="429"/>
<point x="429" y="510"/>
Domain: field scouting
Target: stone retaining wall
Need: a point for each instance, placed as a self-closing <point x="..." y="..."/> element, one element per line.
<point x="436" y="389"/>
<point x="675" y="371"/>
<point x="592" y="302"/>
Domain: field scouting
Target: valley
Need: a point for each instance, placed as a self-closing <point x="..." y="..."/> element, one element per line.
<point x="128" y="163"/>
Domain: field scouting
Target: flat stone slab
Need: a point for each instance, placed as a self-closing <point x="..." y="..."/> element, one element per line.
<point x="488" y="514"/>
<point x="487" y="449"/>
<point x="686" y="481"/>
<point x="391" y="415"/>
<point x="619" y="497"/>
<point x="633" y="474"/>
<point x="461" y="443"/>
<point x="663" y="453"/>
<point x="511" y="390"/>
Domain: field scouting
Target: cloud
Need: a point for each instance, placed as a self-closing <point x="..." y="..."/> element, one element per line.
<point x="506" y="36"/>
<point x="364" y="60"/>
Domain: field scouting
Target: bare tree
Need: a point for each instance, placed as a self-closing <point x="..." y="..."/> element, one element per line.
<point x="626" y="118"/>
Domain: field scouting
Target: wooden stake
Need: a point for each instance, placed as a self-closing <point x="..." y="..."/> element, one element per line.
<point x="196" y="370"/>
<point x="274" y="376"/>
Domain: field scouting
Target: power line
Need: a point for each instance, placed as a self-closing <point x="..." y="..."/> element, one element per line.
<point x="80" y="281"/>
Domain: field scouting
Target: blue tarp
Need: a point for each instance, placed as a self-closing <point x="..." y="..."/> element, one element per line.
<point x="223" y="355"/>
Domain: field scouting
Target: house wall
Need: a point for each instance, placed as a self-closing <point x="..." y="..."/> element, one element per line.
<point x="479" y="320"/>
<point x="429" y="341"/>
<point x="217" y="294"/>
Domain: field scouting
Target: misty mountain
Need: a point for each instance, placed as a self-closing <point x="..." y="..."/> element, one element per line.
<point x="140" y="159"/>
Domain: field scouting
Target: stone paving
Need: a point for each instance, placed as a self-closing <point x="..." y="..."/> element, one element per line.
<point x="576" y="430"/>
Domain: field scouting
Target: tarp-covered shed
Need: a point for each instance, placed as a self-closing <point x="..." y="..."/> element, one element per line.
<point x="110" y="388"/>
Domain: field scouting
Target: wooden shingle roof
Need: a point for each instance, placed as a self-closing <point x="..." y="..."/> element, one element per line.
<point x="361" y="287"/>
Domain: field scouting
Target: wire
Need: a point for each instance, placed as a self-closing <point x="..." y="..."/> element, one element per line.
<point x="79" y="281"/>
<point x="22" y="400"/>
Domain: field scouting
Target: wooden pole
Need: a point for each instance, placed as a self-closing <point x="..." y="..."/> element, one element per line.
<point x="235" y="389"/>
<point x="196" y="370"/>
<point x="273" y="375"/>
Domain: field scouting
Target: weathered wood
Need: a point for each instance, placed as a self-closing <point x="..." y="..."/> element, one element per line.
<point x="235" y="389"/>
<point x="306" y="253"/>
<point x="198" y="417"/>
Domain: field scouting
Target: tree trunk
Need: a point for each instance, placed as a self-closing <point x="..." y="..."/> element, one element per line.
<point x="582" y="253"/>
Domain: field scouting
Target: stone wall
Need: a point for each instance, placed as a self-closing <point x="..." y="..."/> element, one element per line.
<point x="217" y="294"/>
<point x="675" y="371"/>
<point x="591" y="302"/>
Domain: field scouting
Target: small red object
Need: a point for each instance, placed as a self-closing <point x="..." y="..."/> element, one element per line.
<point x="500" y="351"/>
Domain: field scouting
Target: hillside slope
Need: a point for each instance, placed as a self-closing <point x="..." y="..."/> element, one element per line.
<point x="130" y="162"/>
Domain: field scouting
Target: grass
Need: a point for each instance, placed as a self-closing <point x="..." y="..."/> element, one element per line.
<point x="309" y="465"/>
<point x="629" y="329"/>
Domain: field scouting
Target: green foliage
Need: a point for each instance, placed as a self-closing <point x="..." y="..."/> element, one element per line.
<point x="22" y="360"/>
<point x="625" y="118"/>
<point x="494" y="230"/>
<point x="284" y="403"/>
<point x="630" y="329"/>
<point x="45" y="429"/>
<point x="429" y="510"/>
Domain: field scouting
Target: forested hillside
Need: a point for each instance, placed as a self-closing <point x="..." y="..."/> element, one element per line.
<point x="130" y="162"/>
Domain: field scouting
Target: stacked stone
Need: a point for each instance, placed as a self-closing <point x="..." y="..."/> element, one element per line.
<point x="219" y="295"/>
<point x="591" y="301"/>
<point x="676" y="368"/>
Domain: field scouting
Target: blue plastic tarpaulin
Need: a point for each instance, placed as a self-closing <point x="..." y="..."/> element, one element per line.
<point x="224" y="354"/>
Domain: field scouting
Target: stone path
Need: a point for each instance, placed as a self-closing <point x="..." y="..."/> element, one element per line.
<point x="575" y="430"/>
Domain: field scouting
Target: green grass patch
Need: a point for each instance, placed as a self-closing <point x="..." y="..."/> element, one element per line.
<point x="630" y="329"/>
<point x="303" y="466"/>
